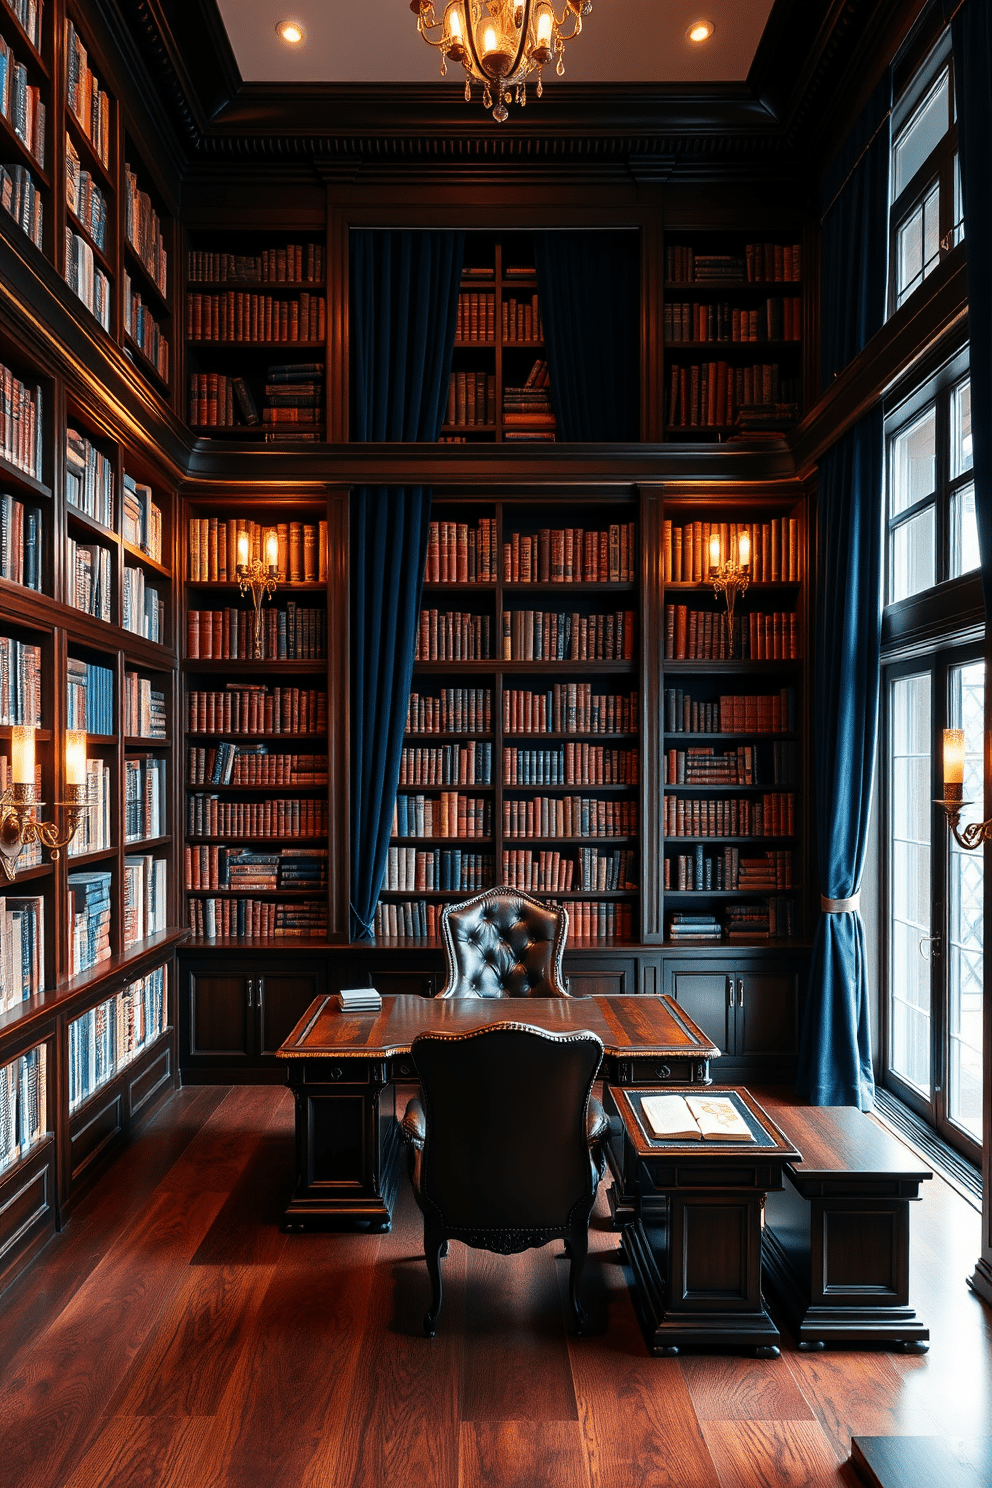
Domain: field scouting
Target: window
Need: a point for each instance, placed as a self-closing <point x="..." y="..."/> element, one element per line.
<point x="925" y="214"/>
<point x="932" y="531"/>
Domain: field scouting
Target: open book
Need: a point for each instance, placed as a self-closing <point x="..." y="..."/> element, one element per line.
<point x="679" y="1118"/>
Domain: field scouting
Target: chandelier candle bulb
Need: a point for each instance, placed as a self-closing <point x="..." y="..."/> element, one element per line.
<point x="454" y="40"/>
<point x="75" y="757"/>
<point x="745" y="549"/>
<point x="22" y="754"/>
<point x="272" y="552"/>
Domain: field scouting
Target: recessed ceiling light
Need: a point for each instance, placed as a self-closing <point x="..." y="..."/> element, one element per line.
<point x="700" y="31"/>
<point x="290" y="31"/>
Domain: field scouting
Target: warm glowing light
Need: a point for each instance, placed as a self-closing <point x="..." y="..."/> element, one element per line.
<point x="489" y="40"/>
<point x="545" y="21"/>
<point x="75" y="756"/>
<point x="745" y="549"/>
<point x="715" y="550"/>
<point x="954" y="757"/>
<point x="291" y="32"/>
<point x="22" y="754"/>
<point x="700" y="31"/>
<point x="244" y="549"/>
<point x="454" y="23"/>
<point x="272" y="549"/>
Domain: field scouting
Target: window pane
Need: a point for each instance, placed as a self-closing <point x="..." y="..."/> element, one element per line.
<point x="914" y="463"/>
<point x="909" y="879"/>
<point x="957" y="231"/>
<point x="964" y="906"/>
<point x="961" y="451"/>
<point x="965" y="556"/>
<point x="921" y="133"/>
<point x="918" y="245"/>
<point x="913" y="556"/>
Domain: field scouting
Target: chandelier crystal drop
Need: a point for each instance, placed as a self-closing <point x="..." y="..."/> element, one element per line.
<point x="500" y="43"/>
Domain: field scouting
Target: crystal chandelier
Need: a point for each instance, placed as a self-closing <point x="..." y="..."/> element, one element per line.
<point x="500" y="43"/>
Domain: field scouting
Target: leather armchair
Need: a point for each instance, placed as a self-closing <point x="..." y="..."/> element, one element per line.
<point x="505" y="1144"/>
<point x="503" y="943"/>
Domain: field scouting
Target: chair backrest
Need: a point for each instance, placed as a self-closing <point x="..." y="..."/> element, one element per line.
<point x="503" y="943"/>
<point x="506" y="1152"/>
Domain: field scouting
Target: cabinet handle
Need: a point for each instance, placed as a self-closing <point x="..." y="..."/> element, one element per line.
<point x="251" y="991"/>
<point x="733" y="990"/>
<point x="740" y="991"/>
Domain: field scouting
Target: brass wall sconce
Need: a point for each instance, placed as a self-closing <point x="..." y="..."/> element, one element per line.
<point x="258" y="579"/>
<point x="730" y="578"/>
<point x="975" y="833"/>
<point x="19" y="805"/>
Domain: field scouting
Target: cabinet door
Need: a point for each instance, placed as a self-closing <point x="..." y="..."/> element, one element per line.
<point x="767" y="1013"/>
<point x="219" y="1020"/>
<point x="706" y="997"/>
<point x="282" y="1001"/>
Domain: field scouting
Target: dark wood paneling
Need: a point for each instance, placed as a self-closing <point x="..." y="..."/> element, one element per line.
<point x="218" y="1016"/>
<point x="767" y="1014"/>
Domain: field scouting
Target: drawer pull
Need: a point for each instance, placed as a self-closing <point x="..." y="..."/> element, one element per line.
<point x="335" y="1072"/>
<point x="404" y="1069"/>
<point x="663" y="1072"/>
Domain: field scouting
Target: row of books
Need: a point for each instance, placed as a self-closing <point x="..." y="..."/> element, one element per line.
<point x="89" y="478"/>
<point x="458" y="553"/>
<point x="749" y="764"/>
<point x="760" y="263"/>
<point x="21" y="104"/>
<point x="238" y="315"/>
<point x="290" y="632"/>
<point x="453" y="635"/>
<point x="142" y="518"/>
<point x="294" y="394"/>
<point x="212" y="545"/>
<point x="454" y="710"/>
<point x="774" y="549"/>
<point x="85" y="277"/>
<point x="28" y="14"/>
<point x="216" y="867"/>
<point x="776" y="319"/>
<point x="475" y="318"/>
<point x="716" y="395"/>
<point x="146" y="333"/>
<point x="23" y="1104"/>
<point x="21" y="199"/>
<point x="144" y="708"/>
<point x="447" y="764"/>
<point x="145" y="781"/>
<point x="729" y="714"/>
<point x="20" y="682"/>
<point x="569" y="708"/>
<point x="241" y="918"/>
<point x="705" y="635"/>
<point x="256" y="709"/>
<point x="145" y="897"/>
<point x="591" y="921"/>
<point x="451" y="814"/>
<point x="89" y="920"/>
<point x="94" y="833"/>
<point x="282" y="816"/>
<point x="771" y="815"/>
<point x="88" y="578"/>
<point x="444" y="869"/>
<point x="569" y="816"/>
<point x="471" y="399"/>
<point x="551" y="870"/>
<point x="89" y="697"/>
<point x="20" y="423"/>
<point x="84" y="198"/>
<point x="521" y="321"/>
<point x="572" y="555"/>
<point x="87" y="101"/>
<point x="528" y="407"/>
<point x="143" y="232"/>
<point x="20" y="542"/>
<point x="575" y="764"/>
<point x="769" y="920"/>
<point x="108" y="1037"/>
<point x="142" y="606"/>
<point x="727" y="871"/>
<point x="542" y="635"/>
<point x="22" y="949"/>
<point x="296" y="263"/>
<point x="238" y="764"/>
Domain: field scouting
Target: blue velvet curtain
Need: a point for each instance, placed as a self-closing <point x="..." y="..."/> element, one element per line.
<point x="589" y="284"/>
<point x="971" y="35"/>
<point x="854" y="211"/>
<point x="403" y="307"/>
<point x="835" y="1048"/>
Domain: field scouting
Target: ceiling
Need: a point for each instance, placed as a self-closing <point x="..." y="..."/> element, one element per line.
<point x="376" y="41"/>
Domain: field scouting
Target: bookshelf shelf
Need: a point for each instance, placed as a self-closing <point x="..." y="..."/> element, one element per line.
<point x="13" y="141"/>
<point x="85" y="147"/>
<point x="226" y="343"/>
<point x="762" y="287"/>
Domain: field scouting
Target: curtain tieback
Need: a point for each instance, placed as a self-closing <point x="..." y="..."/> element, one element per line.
<point x="841" y="906"/>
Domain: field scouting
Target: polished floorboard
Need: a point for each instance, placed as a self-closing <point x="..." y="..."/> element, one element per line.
<point x="173" y="1337"/>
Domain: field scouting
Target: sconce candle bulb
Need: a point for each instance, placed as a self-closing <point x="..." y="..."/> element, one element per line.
<point x="19" y="807"/>
<point x="258" y="579"/>
<point x="22" y="754"/>
<point x="976" y="833"/>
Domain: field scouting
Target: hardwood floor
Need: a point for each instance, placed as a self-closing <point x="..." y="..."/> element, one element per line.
<point x="173" y="1336"/>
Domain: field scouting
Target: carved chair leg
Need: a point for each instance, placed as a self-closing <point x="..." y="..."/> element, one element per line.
<point x="435" y="1246"/>
<point x="577" y="1246"/>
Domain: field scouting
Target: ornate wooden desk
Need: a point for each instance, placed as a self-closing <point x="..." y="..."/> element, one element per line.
<point x="342" y="1068"/>
<point x="695" y="1247"/>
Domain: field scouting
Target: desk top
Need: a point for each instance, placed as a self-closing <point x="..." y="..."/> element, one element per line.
<point x="769" y="1141"/>
<point x="654" y="1027"/>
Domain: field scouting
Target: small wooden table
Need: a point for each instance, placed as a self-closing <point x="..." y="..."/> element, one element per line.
<point x="695" y="1248"/>
<point x="837" y="1235"/>
<point x="342" y="1067"/>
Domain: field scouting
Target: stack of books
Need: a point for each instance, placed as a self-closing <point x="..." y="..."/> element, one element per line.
<point x="294" y="393"/>
<point x="359" y="1000"/>
<point x="527" y="411"/>
<point x="694" y="927"/>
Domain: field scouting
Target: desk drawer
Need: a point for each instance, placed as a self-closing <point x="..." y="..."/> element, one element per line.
<point x="312" y="1072"/>
<point x="660" y="1071"/>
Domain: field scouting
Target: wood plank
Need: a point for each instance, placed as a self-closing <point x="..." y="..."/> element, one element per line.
<point x="855" y="1392"/>
<point x="247" y="1231"/>
<point x="518" y="1454"/>
<point x="146" y="1452"/>
<point x="217" y="1156"/>
<point x="741" y="1389"/>
<point x="774" y="1454"/>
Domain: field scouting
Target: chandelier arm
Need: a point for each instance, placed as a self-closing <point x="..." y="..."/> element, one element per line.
<point x="423" y="27"/>
<point x="479" y="66"/>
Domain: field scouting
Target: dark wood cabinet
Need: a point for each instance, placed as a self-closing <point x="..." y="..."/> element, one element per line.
<point x="751" y="1010"/>
<point x="235" y="1016"/>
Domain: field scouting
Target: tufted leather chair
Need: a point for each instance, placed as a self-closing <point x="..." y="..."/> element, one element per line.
<point x="503" y="943"/>
<point x="504" y="1144"/>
